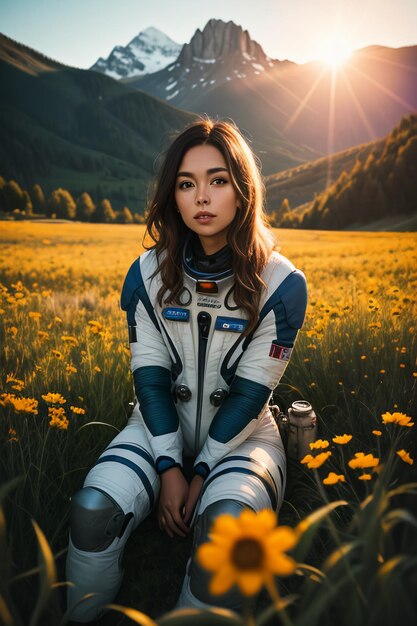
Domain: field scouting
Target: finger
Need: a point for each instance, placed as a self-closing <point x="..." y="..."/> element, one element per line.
<point x="176" y="524"/>
<point x="189" y="510"/>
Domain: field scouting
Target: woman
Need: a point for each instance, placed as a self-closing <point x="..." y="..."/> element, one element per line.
<point x="213" y="313"/>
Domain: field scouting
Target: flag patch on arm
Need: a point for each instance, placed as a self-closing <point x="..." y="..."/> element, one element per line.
<point x="280" y="352"/>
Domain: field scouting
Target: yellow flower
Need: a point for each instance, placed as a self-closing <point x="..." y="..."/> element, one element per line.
<point x="378" y="433"/>
<point x="333" y="478"/>
<point x="42" y="334"/>
<point x="70" y="369"/>
<point x="18" y="286"/>
<point x="94" y="327"/>
<point x="17" y="383"/>
<point x="58" y="419"/>
<point x="365" y="477"/>
<point x="342" y="439"/>
<point x="73" y="341"/>
<point x="313" y="462"/>
<point x="77" y="410"/>
<point x="405" y="456"/>
<point x="363" y="461"/>
<point x="320" y="443"/>
<point x="58" y="354"/>
<point x="55" y="412"/>
<point x="35" y="315"/>
<point x="12" y="330"/>
<point x="54" y="398"/>
<point x="56" y="422"/>
<point x="97" y="369"/>
<point x="20" y="405"/>
<point x="247" y="551"/>
<point x="397" y="418"/>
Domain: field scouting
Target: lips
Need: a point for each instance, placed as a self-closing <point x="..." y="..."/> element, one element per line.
<point x="203" y="217"/>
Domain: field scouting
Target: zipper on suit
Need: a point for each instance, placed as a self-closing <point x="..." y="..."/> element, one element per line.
<point x="203" y="322"/>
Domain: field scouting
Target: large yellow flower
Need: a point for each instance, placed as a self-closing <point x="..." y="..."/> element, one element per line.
<point x="247" y="551"/>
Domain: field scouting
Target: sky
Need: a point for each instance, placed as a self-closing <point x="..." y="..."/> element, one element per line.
<point x="78" y="32"/>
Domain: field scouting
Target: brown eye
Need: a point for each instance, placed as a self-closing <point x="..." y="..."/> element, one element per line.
<point x="185" y="184"/>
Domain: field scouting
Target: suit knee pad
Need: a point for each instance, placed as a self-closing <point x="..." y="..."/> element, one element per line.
<point x="96" y="520"/>
<point x="199" y="577"/>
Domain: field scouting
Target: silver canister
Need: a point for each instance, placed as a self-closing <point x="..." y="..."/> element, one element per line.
<point x="302" y="429"/>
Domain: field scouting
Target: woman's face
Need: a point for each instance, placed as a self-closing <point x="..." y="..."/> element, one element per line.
<point x="205" y="196"/>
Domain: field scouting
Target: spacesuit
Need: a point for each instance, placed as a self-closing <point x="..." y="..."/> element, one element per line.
<point x="202" y="390"/>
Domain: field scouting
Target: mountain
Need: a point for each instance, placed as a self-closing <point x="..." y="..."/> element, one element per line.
<point x="222" y="52"/>
<point x="221" y="72"/>
<point x="150" y="51"/>
<point x="293" y="113"/>
<point x="378" y="192"/>
<point x="78" y="129"/>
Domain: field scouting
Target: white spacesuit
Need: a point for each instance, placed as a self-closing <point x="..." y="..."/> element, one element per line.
<point x="202" y="391"/>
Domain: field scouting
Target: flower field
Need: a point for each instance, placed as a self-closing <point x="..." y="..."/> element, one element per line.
<point x="66" y="390"/>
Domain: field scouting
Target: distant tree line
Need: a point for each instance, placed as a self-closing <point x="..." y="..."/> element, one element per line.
<point x="384" y="185"/>
<point x="61" y="205"/>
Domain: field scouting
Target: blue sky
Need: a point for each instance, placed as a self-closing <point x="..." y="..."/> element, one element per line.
<point x="77" y="32"/>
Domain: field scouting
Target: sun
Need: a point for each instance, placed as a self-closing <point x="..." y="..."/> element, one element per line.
<point x="335" y="52"/>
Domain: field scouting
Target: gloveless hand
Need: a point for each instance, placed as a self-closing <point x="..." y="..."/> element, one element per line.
<point x="172" y="499"/>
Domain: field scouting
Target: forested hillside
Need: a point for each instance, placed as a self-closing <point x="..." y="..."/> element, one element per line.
<point x="383" y="185"/>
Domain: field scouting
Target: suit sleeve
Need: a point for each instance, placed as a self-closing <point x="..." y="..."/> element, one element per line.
<point x="151" y="368"/>
<point x="261" y="366"/>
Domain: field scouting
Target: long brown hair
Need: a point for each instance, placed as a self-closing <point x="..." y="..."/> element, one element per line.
<point x="250" y="239"/>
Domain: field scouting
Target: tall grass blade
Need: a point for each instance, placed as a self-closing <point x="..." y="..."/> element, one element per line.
<point x="136" y="616"/>
<point x="308" y="526"/>
<point x="47" y="574"/>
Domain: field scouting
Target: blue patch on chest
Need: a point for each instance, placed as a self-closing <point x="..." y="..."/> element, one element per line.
<point x="231" y="324"/>
<point x="176" y="314"/>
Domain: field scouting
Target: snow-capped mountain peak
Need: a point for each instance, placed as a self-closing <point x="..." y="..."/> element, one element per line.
<point x="151" y="50"/>
<point x="220" y="54"/>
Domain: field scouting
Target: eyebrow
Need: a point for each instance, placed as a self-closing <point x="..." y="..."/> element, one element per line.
<point x="212" y="170"/>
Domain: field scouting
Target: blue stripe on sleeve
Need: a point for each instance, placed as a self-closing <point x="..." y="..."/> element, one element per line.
<point x="244" y="403"/>
<point x="153" y="391"/>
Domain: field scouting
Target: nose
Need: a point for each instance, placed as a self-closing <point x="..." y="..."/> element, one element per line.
<point x="202" y="197"/>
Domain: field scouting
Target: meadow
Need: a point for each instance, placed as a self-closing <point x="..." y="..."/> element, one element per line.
<point x="66" y="390"/>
